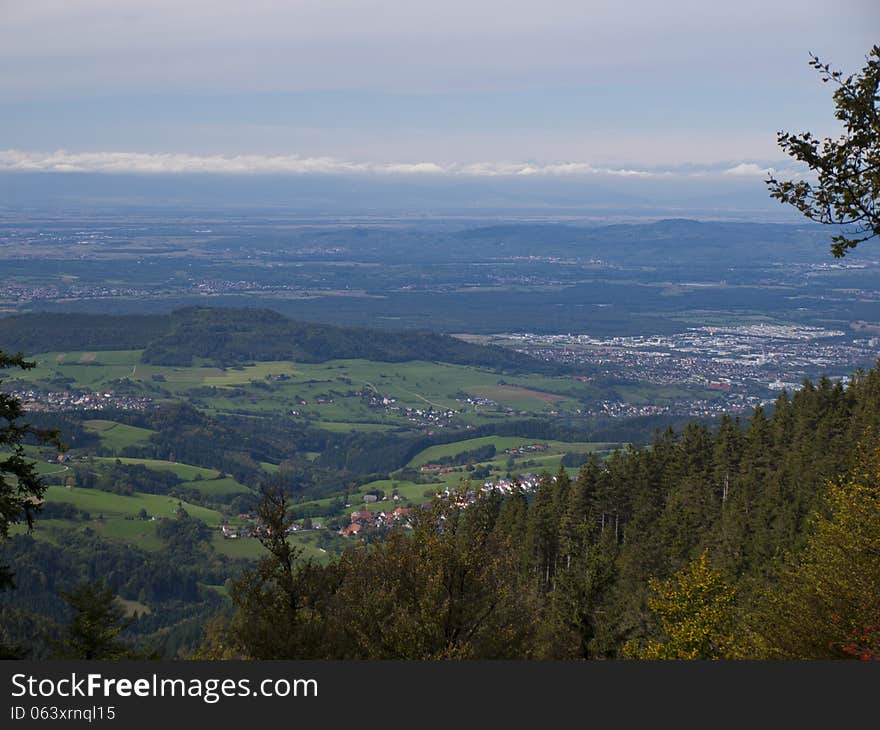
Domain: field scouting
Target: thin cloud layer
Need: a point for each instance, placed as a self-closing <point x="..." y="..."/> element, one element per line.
<point x="749" y="169"/>
<point x="180" y="163"/>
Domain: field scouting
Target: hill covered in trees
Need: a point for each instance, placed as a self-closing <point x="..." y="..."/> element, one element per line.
<point x="228" y="337"/>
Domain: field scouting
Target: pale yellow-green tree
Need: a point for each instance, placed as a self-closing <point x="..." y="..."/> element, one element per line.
<point x="827" y="603"/>
<point x="696" y="609"/>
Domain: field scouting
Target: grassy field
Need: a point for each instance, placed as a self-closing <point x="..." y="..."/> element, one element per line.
<point x="337" y="427"/>
<point x="39" y="457"/>
<point x="252" y="549"/>
<point x="138" y="532"/>
<point x="89" y="369"/>
<point x="118" y="436"/>
<point x="338" y="396"/>
<point x="516" y="396"/>
<point x="115" y="517"/>
<point x="418" y="493"/>
<point x="258" y="371"/>
<point x="216" y="487"/>
<point x="47" y="469"/>
<point x="185" y="472"/>
<point x="207" y="481"/>
<point x="97" y="502"/>
<point x="555" y="448"/>
<point x="143" y="534"/>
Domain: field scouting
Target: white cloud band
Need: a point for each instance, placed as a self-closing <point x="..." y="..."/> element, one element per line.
<point x="181" y="163"/>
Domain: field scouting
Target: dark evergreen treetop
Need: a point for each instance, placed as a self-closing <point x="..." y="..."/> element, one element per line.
<point x="21" y="488"/>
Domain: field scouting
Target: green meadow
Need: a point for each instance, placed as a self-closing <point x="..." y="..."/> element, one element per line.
<point x="207" y="481"/>
<point x="418" y="493"/>
<point x="216" y="487"/>
<point x="185" y="472"/>
<point x="554" y="448"/>
<point x="118" y="436"/>
<point x="115" y="516"/>
<point x="97" y="502"/>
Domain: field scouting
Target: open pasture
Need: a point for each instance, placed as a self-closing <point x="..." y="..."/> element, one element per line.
<point x="216" y="487"/>
<point x="554" y="448"/>
<point x="118" y="436"/>
<point x="97" y="502"/>
<point x="206" y="481"/>
<point x="185" y="472"/>
<point x="516" y="396"/>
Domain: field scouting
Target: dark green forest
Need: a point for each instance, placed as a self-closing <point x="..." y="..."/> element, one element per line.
<point x="225" y="337"/>
<point x="180" y="583"/>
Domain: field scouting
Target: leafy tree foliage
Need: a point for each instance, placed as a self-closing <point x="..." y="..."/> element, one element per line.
<point x="235" y="336"/>
<point x="183" y="537"/>
<point x="445" y="591"/>
<point x="847" y="170"/>
<point x="176" y="604"/>
<point x="448" y="591"/>
<point x="610" y="563"/>
<point x="695" y="607"/>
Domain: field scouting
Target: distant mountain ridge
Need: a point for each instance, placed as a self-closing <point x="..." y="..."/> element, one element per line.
<point x="663" y="240"/>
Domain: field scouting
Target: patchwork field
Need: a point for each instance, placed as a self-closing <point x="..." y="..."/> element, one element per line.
<point x="416" y="492"/>
<point x="207" y="481"/>
<point x="216" y="487"/>
<point x="116" y="517"/>
<point x="186" y="472"/>
<point x="514" y="395"/>
<point x="338" y="395"/>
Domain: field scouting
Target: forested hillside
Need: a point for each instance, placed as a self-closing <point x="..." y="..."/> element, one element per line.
<point x="225" y="337"/>
<point x="41" y="332"/>
<point x="710" y="543"/>
<point x="171" y="594"/>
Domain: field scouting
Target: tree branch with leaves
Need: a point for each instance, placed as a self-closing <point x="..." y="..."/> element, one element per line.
<point x="847" y="170"/>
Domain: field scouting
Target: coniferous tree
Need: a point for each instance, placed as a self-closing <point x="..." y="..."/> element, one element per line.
<point x="542" y="533"/>
<point x="276" y="613"/>
<point x="21" y="488"/>
<point x="98" y="619"/>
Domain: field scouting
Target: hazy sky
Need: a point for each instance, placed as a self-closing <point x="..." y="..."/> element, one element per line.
<point x="476" y="87"/>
